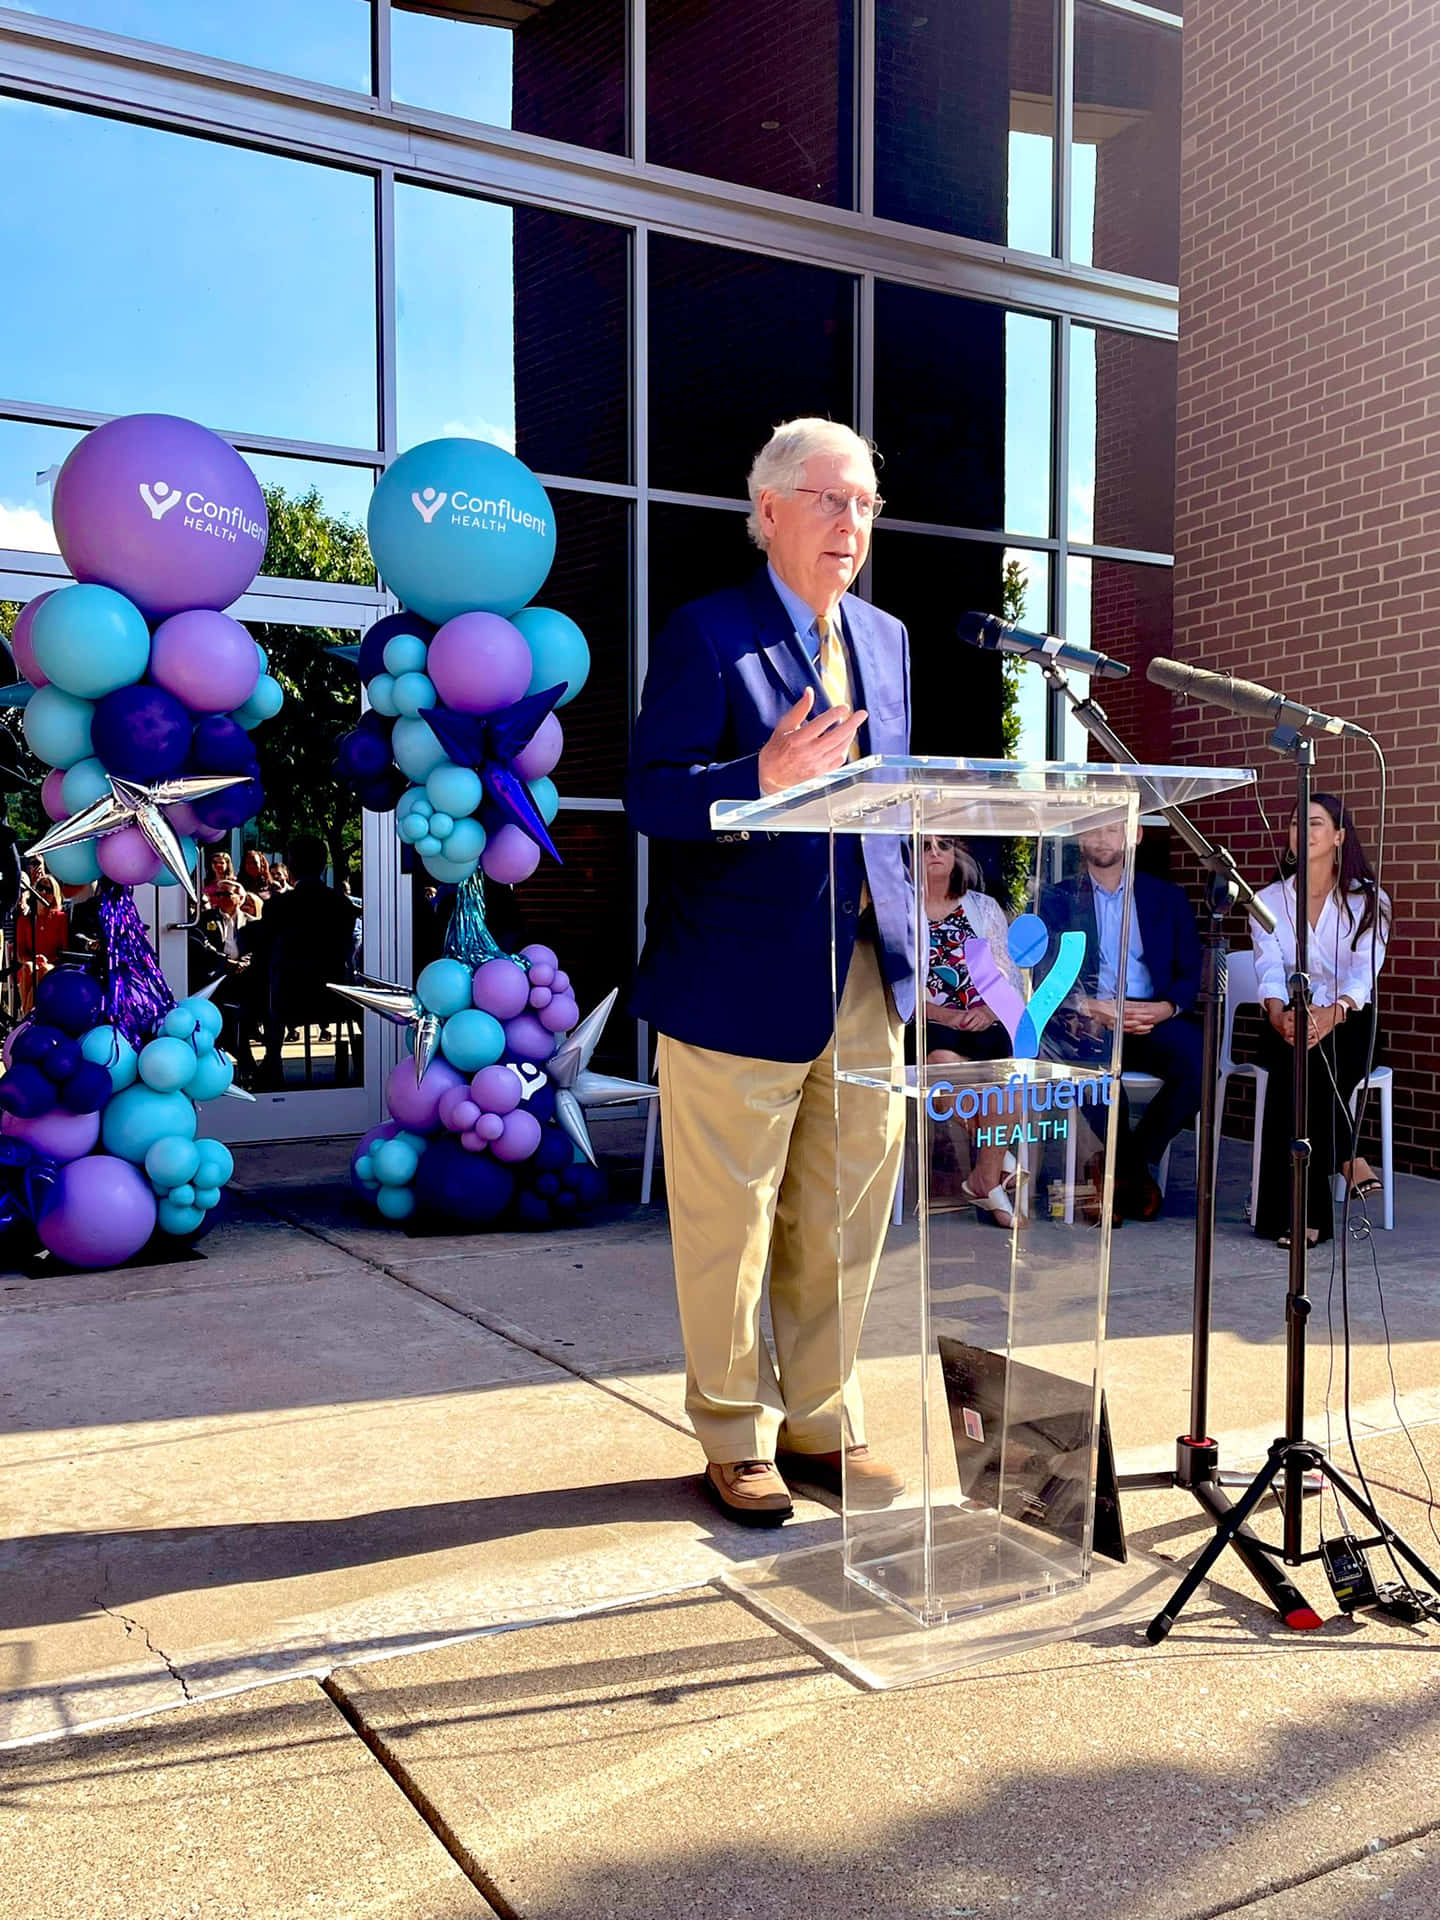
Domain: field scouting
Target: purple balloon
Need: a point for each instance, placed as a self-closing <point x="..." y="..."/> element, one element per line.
<point x="231" y="807"/>
<point x="362" y="755"/>
<point x="519" y="1137"/>
<point x="220" y="744"/>
<point x="458" y="1112"/>
<point x="127" y="857"/>
<point x="496" y="1089"/>
<point x="100" y="1212"/>
<point x="542" y="751"/>
<point x="27" y="1093"/>
<point x="64" y="1136"/>
<point x="50" y="796"/>
<point x="479" y="663"/>
<point x="490" y="1126"/>
<point x="205" y="659"/>
<point x="501" y="988"/>
<point x="561" y="1014"/>
<point x="417" y="1107"/>
<point x="528" y="1040"/>
<point x="141" y="733"/>
<point x="164" y="511"/>
<point x="510" y="856"/>
<point x="20" y="644"/>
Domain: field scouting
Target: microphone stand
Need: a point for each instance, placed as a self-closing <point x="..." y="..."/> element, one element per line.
<point x="1197" y="1456"/>
<point x="1292" y="1457"/>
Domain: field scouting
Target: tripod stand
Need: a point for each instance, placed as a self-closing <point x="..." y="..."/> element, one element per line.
<point x="1291" y="1456"/>
<point x="1197" y="1457"/>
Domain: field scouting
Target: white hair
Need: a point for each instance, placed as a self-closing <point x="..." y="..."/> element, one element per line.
<point x="780" y="464"/>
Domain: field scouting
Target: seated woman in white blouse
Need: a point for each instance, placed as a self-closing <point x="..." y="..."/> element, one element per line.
<point x="1349" y="925"/>
<point x="959" y="1024"/>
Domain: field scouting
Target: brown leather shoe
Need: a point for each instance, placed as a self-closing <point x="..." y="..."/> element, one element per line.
<point x="871" y="1482"/>
<point x="749" y="1492"/>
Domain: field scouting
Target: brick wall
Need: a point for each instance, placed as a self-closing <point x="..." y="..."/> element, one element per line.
<point x="1308" y="478"/>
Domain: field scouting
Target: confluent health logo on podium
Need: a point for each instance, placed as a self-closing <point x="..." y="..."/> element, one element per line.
<point x="1012" y="1103"/>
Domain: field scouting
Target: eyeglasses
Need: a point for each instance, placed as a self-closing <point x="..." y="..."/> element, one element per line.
<point x="832" y="502"/>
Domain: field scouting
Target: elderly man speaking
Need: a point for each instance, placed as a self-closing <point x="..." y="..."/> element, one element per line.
<point x="750" y="691"/>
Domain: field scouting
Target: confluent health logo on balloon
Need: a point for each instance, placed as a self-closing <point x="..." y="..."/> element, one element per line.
<point x="1012" y="1104"/>
<point x="471" y="510"/>
<point x="202" y="514"/>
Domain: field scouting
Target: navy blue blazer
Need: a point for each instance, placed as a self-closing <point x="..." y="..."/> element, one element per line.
<point x="1168" y="934"/>
<point x="737" y="930"/>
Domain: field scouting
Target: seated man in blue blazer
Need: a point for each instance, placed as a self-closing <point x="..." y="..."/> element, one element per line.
<point x="1161" y="1035"/>
<point x="749" y="691"/>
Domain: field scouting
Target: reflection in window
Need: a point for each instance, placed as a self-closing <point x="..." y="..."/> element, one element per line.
<point x="1025" y="599"/>
<point x="556" y="69"/>
<point x="963" y="410"/>
<point x="325" y="40"/>
<point x="738" y="343"/>
<point x="965" y="118"/>
<point x="236" y="287"/>
<point x="590" y="581"/>
<point x="1125" y="609"/>
<point x="695" y="551"/>
<point x="1125" y="214"/>
<point x="761" y="95"/>
<point x="25" y="452"/>
<point x="487" y="340"/>
<point x="1122" y="440"/>
<point x="317" y="519"/>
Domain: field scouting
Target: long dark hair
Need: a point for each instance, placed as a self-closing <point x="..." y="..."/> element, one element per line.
<point x="966" y="875"/>
<point x="1355" y="872"/>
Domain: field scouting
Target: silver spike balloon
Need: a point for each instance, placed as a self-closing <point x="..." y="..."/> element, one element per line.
<point x="577" y="1088"/>
<point x="402" y="1007"/>
<point x="131" y="805"/>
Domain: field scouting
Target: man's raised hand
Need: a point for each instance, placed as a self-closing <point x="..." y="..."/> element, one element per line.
<point x="802" y="748"/>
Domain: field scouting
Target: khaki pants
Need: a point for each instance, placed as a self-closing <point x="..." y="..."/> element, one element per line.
<point x="753" y="1169"/>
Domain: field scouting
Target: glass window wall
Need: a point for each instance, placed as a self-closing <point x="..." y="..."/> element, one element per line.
<point x="1125" y="193"/>
<point x="325" y="40"/>
<point x="1122" y="440"/>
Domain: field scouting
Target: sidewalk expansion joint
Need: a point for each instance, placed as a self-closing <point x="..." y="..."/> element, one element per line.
<point x="134" y="1626"/>
<point x="1372" y="1849"/>
<point x="419" y="1799"/>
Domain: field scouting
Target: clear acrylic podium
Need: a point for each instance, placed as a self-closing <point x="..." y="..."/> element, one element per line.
<point x="976" y="1349"/>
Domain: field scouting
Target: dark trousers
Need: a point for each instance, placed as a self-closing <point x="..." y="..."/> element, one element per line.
<point x="1171" y="1052"/>
<point x="1337" y="1063"/>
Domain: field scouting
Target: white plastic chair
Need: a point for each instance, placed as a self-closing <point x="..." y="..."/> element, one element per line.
<point x="1382" y="1081"/>
<point x="1242" y="989"/>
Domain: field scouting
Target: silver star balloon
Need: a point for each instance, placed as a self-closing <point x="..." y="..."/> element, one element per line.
<point x="131" y="805"/>
<point x="576" y="1088"/>
<point x="402" y="1007"/>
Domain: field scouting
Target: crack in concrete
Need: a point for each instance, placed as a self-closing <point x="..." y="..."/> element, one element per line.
<point x="132" y="1626"/>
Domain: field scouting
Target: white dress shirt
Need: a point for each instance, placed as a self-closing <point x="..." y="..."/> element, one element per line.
<point x="1340" y="966"/>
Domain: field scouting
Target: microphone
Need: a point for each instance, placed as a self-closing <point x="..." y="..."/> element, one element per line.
<point x="994" y="635"/>
<point x="1245" y="696"/>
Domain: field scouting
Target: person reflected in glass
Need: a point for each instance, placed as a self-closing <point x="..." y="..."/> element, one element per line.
<point x="305" y="939"/>
<point x="280" y="881"/>
<point x="1160" y="1034"/>
<point x="1349" y="928"/>
<point x="255" y="875"/>
<point x="42" y="933"/>
<point x="960" y="1027"/>
<point x="219" y="872"/>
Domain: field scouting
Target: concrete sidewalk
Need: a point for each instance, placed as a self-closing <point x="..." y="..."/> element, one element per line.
<point x="321" y="1460"/>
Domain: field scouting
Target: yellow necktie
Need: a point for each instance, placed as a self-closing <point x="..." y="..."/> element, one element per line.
<point x="835" y="670"/>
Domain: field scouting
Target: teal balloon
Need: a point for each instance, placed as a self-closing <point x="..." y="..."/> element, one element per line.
<point x="264" y="703"/>
<point x="441" y="825"/>
<point x="558" y="648"/>
<point x="417" y="752"/>
<point x="444" y="987"/>
<point x="413" y="826"/>
<point x="57" y="727"/>
<point x="427" y="845"/>
<point x="396" y="1203"/>
<point x="546" y="796"/>
<point x="413" y="800"/>
<point x="178" y="1220"/>
<point x="406" y="653"/>
<point x="165" y="878"/>
<point x="168" y="1064"/>
<point x="172" y="1162"/>
<point x="214" y="1074"/>
<point x="217" y="1163"/>
<point x="84" y="784"/>
<point x="464" y="842"/>
<point x="472" y="1040"/>
<point x="263" y="657"/>
<point x="74" y="866"/>
<point x="107" y="1047"/>
<point x="207" y="1197"/>
<point x="382" y="695"/>
<point x="413" y="693"/>
<point x="449" y="873"/>
<point x="90" y="640"/>
<point x="135" y="1119"/>
<point x="204" y="1013"/>
<point x="454" y="790"/>
<point x="183" y="1195"/>
<point x="461" y="524"/>
<point x="394" y="1162"/>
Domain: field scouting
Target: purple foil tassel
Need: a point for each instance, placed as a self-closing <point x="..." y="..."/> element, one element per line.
<point x="137" y="998"/>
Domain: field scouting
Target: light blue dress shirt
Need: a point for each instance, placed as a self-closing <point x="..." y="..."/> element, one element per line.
<point x="1109" y="909"/>
<point x="802" y="615"/>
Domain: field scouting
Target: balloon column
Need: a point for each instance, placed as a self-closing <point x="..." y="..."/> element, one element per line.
<point x="145" y="693"/>
<point x="485" y="1121"/>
